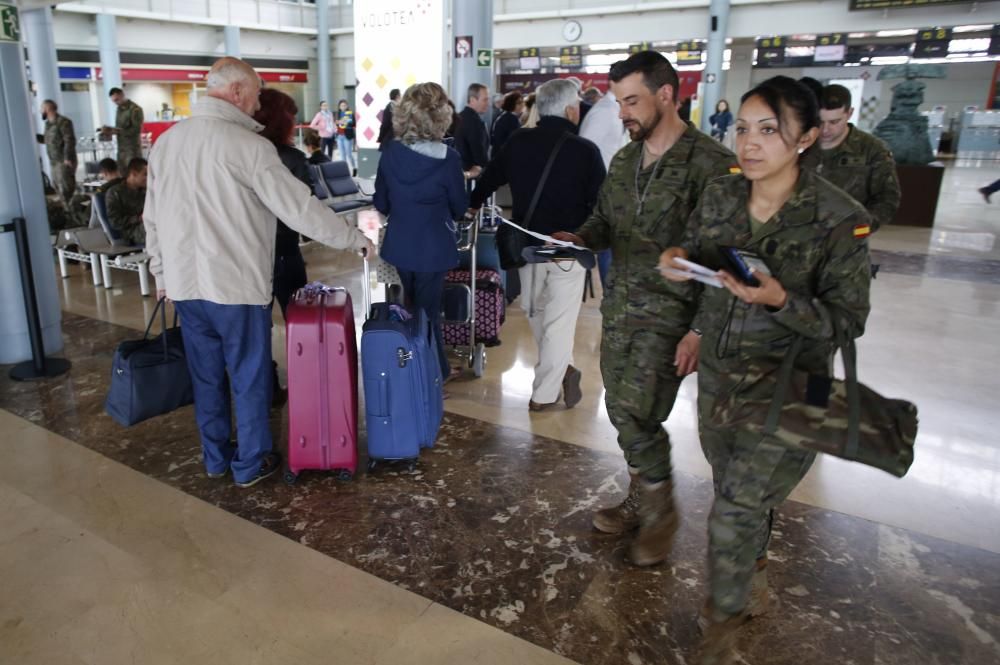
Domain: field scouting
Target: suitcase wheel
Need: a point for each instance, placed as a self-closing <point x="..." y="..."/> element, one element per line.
<point x="290" y="477"/>
<point x="479" y="359"/>
<point x="345" y="475"/>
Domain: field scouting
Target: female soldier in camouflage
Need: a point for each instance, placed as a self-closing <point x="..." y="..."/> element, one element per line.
<point x="811" y="237"/>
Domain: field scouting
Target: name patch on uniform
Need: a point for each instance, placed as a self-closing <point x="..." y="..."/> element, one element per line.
<point x="862" y="231"/>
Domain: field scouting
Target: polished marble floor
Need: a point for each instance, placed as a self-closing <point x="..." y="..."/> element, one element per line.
<point x="485" y="552"/>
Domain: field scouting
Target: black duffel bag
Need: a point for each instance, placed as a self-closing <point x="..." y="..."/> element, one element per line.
<point x="149" y="377"/>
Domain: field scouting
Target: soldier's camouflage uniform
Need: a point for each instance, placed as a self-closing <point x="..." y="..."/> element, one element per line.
<point x="644" y="315"/>
<point x="124" y="206"/>
<point x="128" y="121"/>
<point x="60" y="145"/>
<point x="817" y="247"/>
<point x="862" y="165"/>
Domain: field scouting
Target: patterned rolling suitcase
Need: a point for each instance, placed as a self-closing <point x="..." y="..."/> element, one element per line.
<point x="490" y="307"/>
<point x="402" y="381"/>
<point x="322" y="382"/>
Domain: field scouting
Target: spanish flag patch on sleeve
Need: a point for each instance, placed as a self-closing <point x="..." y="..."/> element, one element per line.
<point x="733" y="170"/>
<point x="862" y="231"/>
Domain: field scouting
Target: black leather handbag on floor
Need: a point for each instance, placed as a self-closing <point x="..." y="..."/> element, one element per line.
<point x="149" y="377"/>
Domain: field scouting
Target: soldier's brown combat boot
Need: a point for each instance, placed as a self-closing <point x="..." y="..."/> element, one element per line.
<point x="625" y="516"/>
<point x="718" y="645"/>
<point x="757" y="605"/>
<point x="658" y="521"/>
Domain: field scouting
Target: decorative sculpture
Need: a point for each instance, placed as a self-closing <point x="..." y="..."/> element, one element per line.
<point x="904" y="129"/>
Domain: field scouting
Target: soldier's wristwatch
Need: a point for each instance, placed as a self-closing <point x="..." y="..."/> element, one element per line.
<point x="696" y="332"/>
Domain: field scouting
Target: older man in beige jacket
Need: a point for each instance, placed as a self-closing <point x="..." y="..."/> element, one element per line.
<point x="215" y="190"/>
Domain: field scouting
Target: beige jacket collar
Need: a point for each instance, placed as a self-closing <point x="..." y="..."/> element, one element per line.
<point x="213" y="107"/>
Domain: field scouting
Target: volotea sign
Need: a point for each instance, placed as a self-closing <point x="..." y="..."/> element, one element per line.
<point x="396" y="43"/>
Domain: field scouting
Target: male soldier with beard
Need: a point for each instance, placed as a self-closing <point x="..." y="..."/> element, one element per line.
<point x="648" y="344"/>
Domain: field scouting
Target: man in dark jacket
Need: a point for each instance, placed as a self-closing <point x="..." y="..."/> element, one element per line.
<point x="385" y="132"/>
<point x="551" y="291"/>
<point x="472" y="140"/>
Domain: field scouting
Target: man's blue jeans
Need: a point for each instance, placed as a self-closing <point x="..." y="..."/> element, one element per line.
<point x="237" y="339"/>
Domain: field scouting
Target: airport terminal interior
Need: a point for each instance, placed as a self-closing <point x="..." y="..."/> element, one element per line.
<point x="115" y="547"/>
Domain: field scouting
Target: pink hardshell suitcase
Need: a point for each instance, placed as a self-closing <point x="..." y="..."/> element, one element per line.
<point x="322" y="382"/>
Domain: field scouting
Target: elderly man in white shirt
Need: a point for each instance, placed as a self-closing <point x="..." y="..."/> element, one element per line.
<point x="215" y="190"/>
<point x="603" y="126"/>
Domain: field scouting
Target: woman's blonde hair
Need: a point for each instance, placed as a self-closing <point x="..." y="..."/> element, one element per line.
<point x="423" y="114"/>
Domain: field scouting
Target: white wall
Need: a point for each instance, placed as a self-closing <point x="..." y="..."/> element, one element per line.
<point x="77" y="31"/>
<point x="150" y="96"/>
<point x="261" y="14"/>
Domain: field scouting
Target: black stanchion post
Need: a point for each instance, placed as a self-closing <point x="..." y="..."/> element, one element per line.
<point x="39" y="367"/>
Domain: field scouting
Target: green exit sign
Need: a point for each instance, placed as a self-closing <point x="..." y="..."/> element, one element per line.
<point x="10" y="27"/>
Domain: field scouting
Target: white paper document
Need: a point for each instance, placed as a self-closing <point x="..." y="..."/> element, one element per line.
<point x="695" y="271"/>
<point x="704" y="279"/>
<point x="541" y="236"/>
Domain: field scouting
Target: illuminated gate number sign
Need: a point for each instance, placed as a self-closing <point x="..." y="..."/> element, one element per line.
<point x="932" y="43"/>
<point x="831" y="48"/>
<point x="770" y="50"/>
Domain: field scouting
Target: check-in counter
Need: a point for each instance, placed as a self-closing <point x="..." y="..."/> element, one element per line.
<point x="980" y="135"/>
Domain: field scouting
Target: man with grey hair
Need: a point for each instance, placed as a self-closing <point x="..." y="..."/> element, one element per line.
<point x="562" y="201"/>
<point x="214" y="192"/>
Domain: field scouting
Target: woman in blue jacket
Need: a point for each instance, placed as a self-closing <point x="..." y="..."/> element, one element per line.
<point x="421" y="189"/>
<point x="720" y="120"/>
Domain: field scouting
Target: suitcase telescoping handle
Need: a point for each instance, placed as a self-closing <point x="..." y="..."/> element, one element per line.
<point x="366" y="285"/>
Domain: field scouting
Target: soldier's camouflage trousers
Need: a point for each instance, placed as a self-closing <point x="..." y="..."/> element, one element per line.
<point x="641" y="384"/>
<point x="751" y="478"/>
<point x="64" y="180"/>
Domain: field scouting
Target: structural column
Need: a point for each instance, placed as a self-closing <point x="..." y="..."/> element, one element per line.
<point x="37" y="26"/>
<point x="111" y="68"/>
<point x="718" y="28"/>
<point x="739" y="78"/>
<point x="232" y="37"/>
<point x="21" y="196"/>
<point x="470" y="19"/>
<point x="323" y="51"/>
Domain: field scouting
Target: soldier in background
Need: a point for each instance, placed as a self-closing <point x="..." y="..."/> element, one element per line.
<point x="60" y="144"/>
<point x="811" y="239"/>
<point x="128" y="128"/>
<point x="124" y="202"/>
<point x="109" y="175"/>
<point x="648" y="344"/>
<point x="854" y="160"/>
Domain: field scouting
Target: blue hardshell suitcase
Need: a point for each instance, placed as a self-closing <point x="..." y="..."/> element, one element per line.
<point x="402" y="382"/>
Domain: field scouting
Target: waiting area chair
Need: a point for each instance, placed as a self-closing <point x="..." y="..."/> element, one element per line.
<point x="342" y="193"/>
<point x="102" y="248"/>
